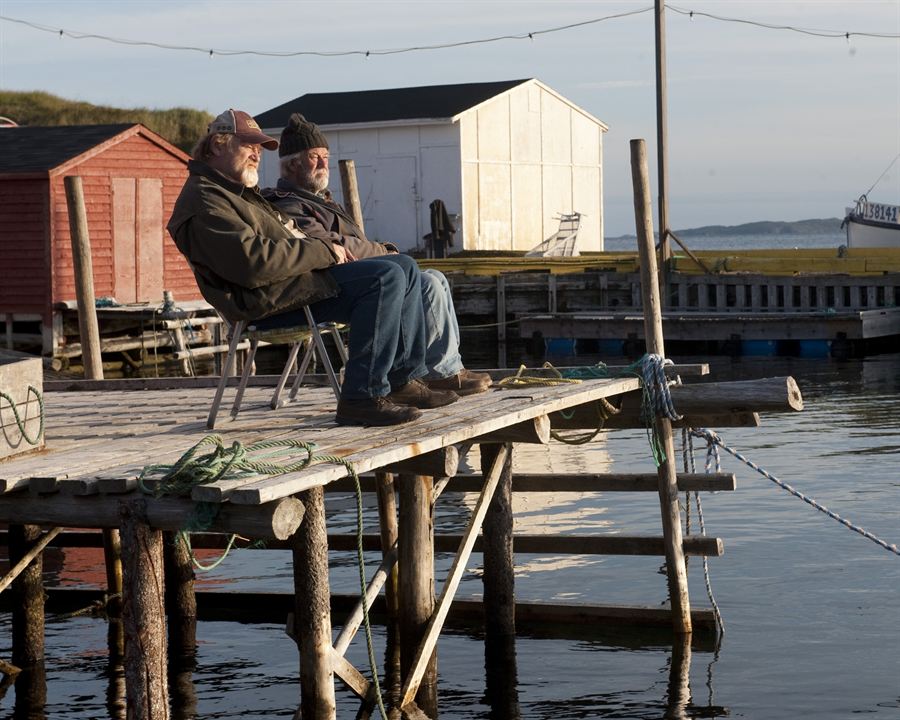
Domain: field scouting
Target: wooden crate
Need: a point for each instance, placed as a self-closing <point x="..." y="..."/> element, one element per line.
<point x="21" y="381"/>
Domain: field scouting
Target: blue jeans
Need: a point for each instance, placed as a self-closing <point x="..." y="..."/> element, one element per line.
<point x="381" y="299"/>
<point x="442" y="357"/>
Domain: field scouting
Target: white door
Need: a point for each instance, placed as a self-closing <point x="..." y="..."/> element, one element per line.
<point x="394" y="193"/>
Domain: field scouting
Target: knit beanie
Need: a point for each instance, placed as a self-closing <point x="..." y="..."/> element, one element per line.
<point x="300" y="134"/>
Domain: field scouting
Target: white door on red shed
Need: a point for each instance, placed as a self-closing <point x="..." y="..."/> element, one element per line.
<point x="138" y="228"/>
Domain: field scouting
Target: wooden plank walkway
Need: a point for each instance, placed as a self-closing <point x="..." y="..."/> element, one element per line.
<point x="96" y="435"/>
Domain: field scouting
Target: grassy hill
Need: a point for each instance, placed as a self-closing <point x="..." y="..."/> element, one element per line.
<point x="180" y="126"/>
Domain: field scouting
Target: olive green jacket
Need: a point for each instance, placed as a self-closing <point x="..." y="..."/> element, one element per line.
<point x="247" y="261"/>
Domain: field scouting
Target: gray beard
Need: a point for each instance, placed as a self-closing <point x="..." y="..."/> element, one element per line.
<point x="250" y="177"/>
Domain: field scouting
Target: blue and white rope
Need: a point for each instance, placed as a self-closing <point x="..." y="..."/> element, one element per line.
<point x="713" y="439"/>
<point x="688" y="449"/>
<point x="657" y="386"/>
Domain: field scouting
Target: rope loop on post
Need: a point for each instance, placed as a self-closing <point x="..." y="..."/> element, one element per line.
<point x="21" y="423"/>
<point x="656" y="388"/>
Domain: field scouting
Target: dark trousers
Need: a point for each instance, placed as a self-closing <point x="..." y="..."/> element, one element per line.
<point x="381" y="299"/>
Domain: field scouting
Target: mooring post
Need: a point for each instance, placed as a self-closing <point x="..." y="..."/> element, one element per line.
<point x="350" y="191"/>
<point x="312" y="610"/>
<point x="144" y="615"/>
<point x="89" y="331"/>
<point x="497" y="536"/>
<point x="416" y="561"/>
<point x="676" y="570"/>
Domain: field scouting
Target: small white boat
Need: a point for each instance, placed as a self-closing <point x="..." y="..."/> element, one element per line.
<point x="871" y="225"/>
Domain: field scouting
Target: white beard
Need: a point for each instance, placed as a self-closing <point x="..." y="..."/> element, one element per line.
<point x="250" y="177"/>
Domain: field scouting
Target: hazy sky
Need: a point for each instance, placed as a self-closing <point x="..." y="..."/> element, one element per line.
<point x="764" y="124"/>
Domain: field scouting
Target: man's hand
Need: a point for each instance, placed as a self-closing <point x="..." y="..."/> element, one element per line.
<point x="343" y="254"/>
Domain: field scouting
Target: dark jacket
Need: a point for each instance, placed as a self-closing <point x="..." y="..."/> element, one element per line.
<point x="323" y="219"/>
<point x="247" y="262"/>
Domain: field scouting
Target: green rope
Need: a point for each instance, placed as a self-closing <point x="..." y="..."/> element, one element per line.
<point x="19" y="422"/>
<point x="362" y="574"/>
<point x="236" y="461"/>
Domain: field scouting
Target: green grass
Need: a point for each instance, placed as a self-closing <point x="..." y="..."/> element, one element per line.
<point x="180" y="126"/>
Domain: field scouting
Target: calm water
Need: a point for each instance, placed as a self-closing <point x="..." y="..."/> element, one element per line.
<point x="812" y="610"/>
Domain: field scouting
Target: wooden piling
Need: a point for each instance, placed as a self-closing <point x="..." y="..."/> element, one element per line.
<point x="146" y="678"/>
<point x="84" y="279"/>
<point x="350" y="191"/>
<point x="387" y="523"/>
<point x="416" y="560"/>
<point x="312" y="611"/>
<point x="497" y="536"/>
<point x="676" y="570"/>
<point x="181" y="602"/>
<point x="28" y="598"/>
<point x="92" y="357"/>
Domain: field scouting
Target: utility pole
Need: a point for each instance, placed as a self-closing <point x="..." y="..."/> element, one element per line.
<point x="662" y="164"/>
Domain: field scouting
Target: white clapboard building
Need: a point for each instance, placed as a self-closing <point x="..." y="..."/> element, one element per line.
<point x="507" y="157"/>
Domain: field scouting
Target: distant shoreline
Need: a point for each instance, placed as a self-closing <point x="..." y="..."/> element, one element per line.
<point x="822" y="226"/>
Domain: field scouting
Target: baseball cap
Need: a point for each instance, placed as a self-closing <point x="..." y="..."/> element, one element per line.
<point x="243" y="126"/>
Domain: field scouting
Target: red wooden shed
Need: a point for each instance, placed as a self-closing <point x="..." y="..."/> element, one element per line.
<point x="131" y="178"/>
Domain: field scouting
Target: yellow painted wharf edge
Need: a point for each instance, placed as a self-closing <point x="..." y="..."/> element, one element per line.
<point x="767" y="261"/>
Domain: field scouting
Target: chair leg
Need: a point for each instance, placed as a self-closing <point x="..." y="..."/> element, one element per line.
<point x="304" y="365"/>
<point x="245" y="377"/>
<point x="339" y="342"/>
<point x="227" y="368"/>
<point x="282" y="381"/>
<point x="323" y="354"/>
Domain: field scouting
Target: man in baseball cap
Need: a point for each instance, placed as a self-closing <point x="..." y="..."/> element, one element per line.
<point x="240" y="124"/>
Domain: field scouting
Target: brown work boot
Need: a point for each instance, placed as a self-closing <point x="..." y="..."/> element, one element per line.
<point x="418" y="394"/>
<point x="373" y="411"/>
<point x="465" y="382"/>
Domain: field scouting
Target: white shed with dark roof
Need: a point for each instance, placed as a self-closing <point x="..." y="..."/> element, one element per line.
<point x="507" y="157"/>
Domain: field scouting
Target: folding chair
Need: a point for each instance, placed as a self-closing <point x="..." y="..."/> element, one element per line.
<point x="309" y="336"/>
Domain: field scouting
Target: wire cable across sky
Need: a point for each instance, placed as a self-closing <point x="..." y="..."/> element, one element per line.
<point x="76" y="35"/>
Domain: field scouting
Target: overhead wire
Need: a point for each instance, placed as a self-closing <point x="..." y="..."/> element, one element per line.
<point x="77" y="35"/>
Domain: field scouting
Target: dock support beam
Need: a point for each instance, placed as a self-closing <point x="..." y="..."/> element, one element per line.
<point x="676" y="570"/>
<point x="416" y="560"/>
<point x="146" y="672"/>
<point x="499" y="590"/>
<point x="312" y="610"/>
<point x="497" y="534"/>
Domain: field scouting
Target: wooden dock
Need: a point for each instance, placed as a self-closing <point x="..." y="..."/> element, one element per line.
<point x="100" y="436"/>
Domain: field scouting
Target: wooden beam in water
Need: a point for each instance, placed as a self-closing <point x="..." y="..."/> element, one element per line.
<point x="532" y="544"/>
<point x="554" y="619"/>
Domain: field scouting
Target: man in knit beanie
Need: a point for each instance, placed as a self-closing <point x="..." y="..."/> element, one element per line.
<point x="301" y="194"/>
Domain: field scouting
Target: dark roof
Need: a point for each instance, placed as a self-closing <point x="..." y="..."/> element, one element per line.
<point x="364" y="106"/>
<point x="38" y="149"/>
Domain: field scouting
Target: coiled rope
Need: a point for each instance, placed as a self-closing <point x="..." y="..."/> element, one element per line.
<point x="21" y="423"/>
<point x="238" y="461"/>
<point x="714" y="440"/>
